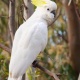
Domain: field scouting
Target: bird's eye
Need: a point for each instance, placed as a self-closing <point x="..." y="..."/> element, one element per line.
<point x="48" y="9"/>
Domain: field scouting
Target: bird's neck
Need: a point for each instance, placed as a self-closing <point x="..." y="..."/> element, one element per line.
<point x="38" y="17"/>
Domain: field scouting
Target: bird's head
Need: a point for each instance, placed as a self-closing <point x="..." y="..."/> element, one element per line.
<point x="46" y="9"/>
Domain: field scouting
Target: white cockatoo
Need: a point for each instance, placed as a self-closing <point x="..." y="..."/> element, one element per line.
<point x="31" y="38"/>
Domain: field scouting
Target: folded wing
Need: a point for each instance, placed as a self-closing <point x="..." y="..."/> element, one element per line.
<point x="30" y="44"/>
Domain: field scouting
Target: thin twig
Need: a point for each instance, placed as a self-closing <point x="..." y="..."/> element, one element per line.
<point x="37" y="65"/>
<point x="26" y="9"/>
<point x="21" y="10"/>
<point x="2" y="16"/>
<point x="62" y="36"/>
<point x="69" y="2"/>
<point x="2" y="46"/>
<point x="24" y="5"/>
<point x="11" y="21"/>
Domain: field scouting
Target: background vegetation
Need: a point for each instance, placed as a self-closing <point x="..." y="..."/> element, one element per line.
<point x="62" y="53"/>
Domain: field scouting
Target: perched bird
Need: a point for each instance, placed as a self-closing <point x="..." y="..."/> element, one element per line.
<point x="31" y="38"/>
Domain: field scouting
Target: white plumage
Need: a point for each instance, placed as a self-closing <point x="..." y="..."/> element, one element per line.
<point x="30" y="39"/>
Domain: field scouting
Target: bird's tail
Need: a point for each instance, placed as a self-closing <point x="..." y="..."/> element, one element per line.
<point x="20" y="78"/>
<point x="11" y="78"/>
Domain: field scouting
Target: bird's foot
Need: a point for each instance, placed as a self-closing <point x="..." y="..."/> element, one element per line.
<point x="34" y="64"/>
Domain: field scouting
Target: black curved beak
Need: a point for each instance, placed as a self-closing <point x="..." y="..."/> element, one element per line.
<point x="53" y="12"/>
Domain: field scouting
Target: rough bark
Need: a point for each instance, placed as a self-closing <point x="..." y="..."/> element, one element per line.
<point x="12" y="18"/>
<point x="73" y="33"/>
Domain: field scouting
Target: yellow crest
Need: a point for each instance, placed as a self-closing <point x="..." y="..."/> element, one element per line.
<point x="39" y="2"/>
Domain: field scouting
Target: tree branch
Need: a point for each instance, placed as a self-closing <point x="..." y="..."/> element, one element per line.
<point x="5" y="2"/>
<point x="21" y="10"/>
<point x="24" y="5"/>
<point x="73" y="22"/>
<point x="12" y="27"/>
<point x="35" y="64"/>
<point x="53" y="75"/>
<point x="5" y="48"/>
<point x="63" y="37"/>
<point x="4" y="16"/>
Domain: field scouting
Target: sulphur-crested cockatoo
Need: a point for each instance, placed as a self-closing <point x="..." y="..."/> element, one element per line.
<point x="31" y="38"/>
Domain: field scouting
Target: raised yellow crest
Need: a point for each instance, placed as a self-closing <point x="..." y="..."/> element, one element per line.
<point x="39" y="2"/>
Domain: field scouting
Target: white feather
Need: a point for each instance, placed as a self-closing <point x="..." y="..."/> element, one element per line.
<point x="20" y="78"/>
<point x="31" y="43"/>
<point x="30" y="39"/>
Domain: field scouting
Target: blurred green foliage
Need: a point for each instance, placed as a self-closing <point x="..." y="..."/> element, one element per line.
<point x="55" y="57"/>
<point x="3" y="67"/>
